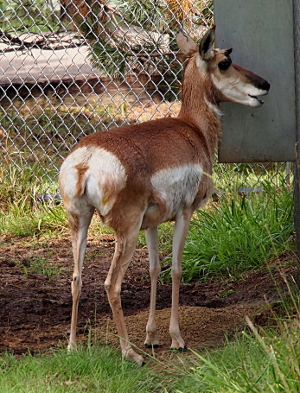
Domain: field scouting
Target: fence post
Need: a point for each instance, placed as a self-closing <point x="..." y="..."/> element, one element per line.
<point x="297" y="108"/>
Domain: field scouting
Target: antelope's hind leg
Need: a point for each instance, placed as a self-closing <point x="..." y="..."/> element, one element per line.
<point x="152" y="242"/>
<point x="124" y="249"/>
<point x="79" y="226"/>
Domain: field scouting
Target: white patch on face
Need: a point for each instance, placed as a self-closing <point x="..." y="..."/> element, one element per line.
<point x="238" y="91"/>
<point x="102" y="181"/>
<point x="178" y="186"/>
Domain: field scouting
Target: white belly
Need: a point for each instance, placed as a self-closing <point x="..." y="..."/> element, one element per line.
<point x="177" y="187"/>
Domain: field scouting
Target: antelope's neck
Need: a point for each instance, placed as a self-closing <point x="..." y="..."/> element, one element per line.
<point x="199" y="108"/>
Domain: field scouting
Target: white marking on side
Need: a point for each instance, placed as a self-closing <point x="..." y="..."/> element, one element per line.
<point x="178" y="186"/>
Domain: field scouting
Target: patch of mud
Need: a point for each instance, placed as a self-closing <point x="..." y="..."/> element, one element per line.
<point x="36" y="298"/>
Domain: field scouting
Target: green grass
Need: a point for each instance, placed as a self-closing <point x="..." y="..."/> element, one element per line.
<point x="96" y="369"/>
<point x="39" y="265"/>
<point x="238" y="233"/>
<point x="21" y="214"/>
<point x="258" y="360"/>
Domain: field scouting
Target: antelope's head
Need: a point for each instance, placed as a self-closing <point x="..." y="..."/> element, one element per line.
<point x="229" y="82"/>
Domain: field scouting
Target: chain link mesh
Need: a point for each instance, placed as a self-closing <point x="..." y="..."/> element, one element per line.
<point x="70" y="68"/>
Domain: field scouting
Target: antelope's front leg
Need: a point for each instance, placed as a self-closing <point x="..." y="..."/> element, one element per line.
<point x="180" y="232"/>
<point x="152" y="242"/>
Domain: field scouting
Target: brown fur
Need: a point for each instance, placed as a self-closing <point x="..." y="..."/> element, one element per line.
<point x="145" y="148"/>
<point x="81" y="170"/>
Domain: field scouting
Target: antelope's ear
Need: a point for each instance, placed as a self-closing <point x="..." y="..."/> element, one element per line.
<point x="228" y="52"/>
<point x="206" y="44"/>
<point x="185" y="43"/>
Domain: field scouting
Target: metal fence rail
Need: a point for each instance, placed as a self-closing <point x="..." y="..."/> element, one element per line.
<point x="70" y="68"/>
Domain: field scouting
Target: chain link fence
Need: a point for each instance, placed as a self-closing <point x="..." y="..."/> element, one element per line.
<point x="70" y="68"/>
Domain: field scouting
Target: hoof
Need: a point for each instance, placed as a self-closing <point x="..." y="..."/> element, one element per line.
<point x="180" y="349"/>
<point x="150" y="346"/>
<point x="130" y="354"/>
<point x="71" y="347"/>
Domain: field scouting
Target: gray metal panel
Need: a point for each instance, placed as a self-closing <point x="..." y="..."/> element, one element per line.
<point x="262" y="36"/>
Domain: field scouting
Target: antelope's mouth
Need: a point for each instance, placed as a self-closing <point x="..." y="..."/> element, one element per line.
<point x="257" y="99"/>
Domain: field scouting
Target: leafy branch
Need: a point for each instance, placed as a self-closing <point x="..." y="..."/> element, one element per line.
<point x="137" y="36"/>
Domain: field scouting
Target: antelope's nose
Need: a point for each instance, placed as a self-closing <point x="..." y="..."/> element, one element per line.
<point x="265" y="85"/>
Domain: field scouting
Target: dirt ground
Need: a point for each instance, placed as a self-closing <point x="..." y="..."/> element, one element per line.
<point x="36" y="300"/>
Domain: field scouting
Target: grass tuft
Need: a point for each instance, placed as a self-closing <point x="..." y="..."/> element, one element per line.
<point x="95" y="369"/>
<point x="238" y="233"/>
<point x="264" y="360"/>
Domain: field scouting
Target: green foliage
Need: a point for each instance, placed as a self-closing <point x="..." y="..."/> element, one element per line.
<point x="130" y="38"/>
<point x="96" y="369"/>
<point x="28" y="15"/>
<point x="110" y="59"/>
<point x="23" y="220"/>
<point x="38" y="265"/>
<point x="238" y="233"/>
<point x="21" y="213"/>
<point x="147" y="13"/>
<point x="264" y="361"/>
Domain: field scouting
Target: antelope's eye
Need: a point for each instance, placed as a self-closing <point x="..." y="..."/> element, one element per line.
<point x="224" y="65"/>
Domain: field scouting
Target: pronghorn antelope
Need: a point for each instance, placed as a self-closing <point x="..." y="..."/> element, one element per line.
<point x="142" y="175"/>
